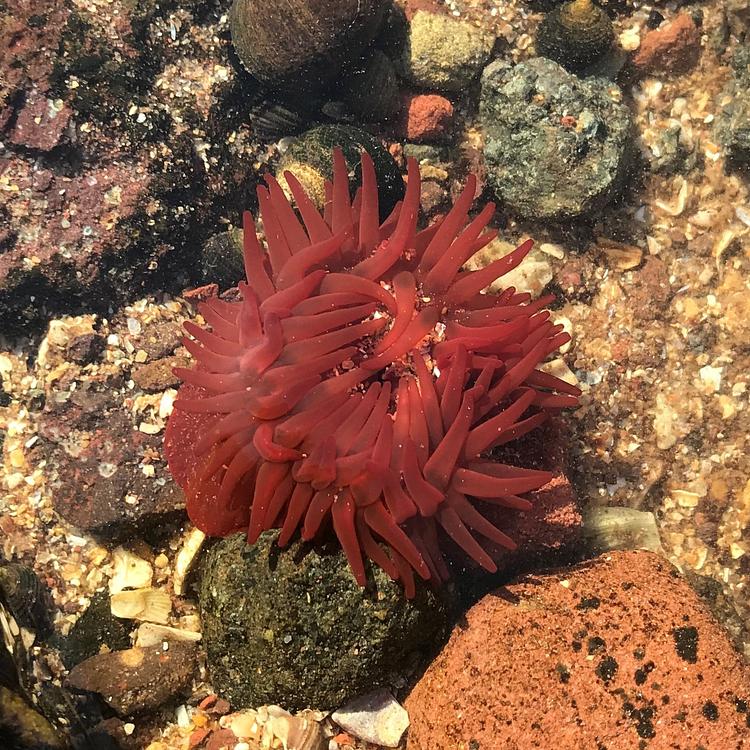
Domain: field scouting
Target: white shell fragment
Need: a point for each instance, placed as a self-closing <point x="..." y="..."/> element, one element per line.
<point x="151" y="634"/>
<point x="376" y="717"/>
<point x="678" y="204"/>
<point x="130" y="571"/>
<point x="147" y="605"/>
<point x="272" y="727"/>
<point x="186" y="557"/>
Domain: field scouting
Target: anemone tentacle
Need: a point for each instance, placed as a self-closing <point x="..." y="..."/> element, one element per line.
<point x="362" y="379"/>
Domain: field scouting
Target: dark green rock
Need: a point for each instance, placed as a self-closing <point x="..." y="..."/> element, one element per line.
<point x="310" y="159"/>
<point x="22" y="727"/>
<point x="95" y="628"/>
<point x="292" y="627"/>
<point x="733" y="124"/>
<point x="556" y="147"/>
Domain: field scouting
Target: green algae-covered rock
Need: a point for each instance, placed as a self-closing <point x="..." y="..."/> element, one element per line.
<point x="292" y="627"/>
<point x="556" y="146"/>
<point x="310" y="160"/>
<point x="444" y="53"/>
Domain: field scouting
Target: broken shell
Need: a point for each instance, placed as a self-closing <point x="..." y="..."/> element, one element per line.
<point x="620" y="255"/>
<point x="575" y="34"/>
<point x="295" y="732"/>
<point x="678" y="205"/>
<point x="186" y="558"/>
<point x="152" y="634"/>
<point x="130" y="571"/>
<point x="150" y="605"/>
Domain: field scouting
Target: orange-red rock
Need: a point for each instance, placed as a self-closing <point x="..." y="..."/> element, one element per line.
<point x="617" y="653"/>
<point x="673" y="48"/>
<point x="426" y="118"/>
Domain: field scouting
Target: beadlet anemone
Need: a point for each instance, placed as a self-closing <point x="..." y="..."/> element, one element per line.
<point x="362" y="379"/>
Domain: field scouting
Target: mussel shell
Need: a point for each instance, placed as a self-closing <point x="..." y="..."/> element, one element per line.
<point x="575" y="34"/>
<point x="26" y="597"/>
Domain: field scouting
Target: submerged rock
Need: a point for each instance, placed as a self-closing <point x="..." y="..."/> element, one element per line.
<point x="618" y="651"/>
<point x="302" y="44"/>
<point x="444" y="53"/>
<point x="310" y="159"/>
<point x="22" y="727"/>
<point x="94" y="629"/>
<point x="371" y="89"/>
<point x="137" y="679"/>
<point x="292" y="626"/>
<point x="556" y="146"/>
<point x="733" y="122"/>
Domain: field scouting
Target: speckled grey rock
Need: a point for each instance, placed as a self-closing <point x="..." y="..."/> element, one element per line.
<point x="444" y="53"/>
<point x="556" y="146"/>
<point x="733" y="122"/>
<point x="292" y="627"/>
<point x="669" y="154"/>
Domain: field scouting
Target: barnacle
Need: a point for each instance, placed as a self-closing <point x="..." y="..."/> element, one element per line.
<point x="362" y="381"/>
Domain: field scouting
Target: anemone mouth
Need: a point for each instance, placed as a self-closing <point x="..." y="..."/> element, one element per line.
<point x="361" y="380"/>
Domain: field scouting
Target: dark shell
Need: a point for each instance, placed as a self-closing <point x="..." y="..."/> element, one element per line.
<point x="27" y="598"/>
<point x="371" y="88"/>
<point x="575" y="35"/>
<point x="270" y="120"/>
<point x="302" y="44"/>
<point x="310" y="159"/>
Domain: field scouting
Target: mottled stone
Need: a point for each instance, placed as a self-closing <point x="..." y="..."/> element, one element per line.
<point x="444" y="53"/>
<point x="292" y="627"/>
<point x="94" y="449"/>
<point x="556" y="146"/>
<point x="138" y="679"/>
<point x="86" y="348"/>
<point x="158" y="375"/>
<point x="40" y="123"/>
<point x="618" y="651"/>
<point x="426" y="118"/>
<point x="672" y="48"/>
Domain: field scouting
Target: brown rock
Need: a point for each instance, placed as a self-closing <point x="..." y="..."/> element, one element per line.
<point x="651" y="290"/>
<point x="618" y="652"/>
<point x="138" y="679"/>
<point x="426" y="118"/>
<point x="94" y="450"/>
<point x="673" y="48"/>
<point x="86" y="348"/>
<point x="157" y="376"/>
<point x="221" y="739"/>
<point x="40" y="123"/>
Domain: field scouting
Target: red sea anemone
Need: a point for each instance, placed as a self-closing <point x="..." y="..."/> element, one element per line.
<point x="362" y="379"/>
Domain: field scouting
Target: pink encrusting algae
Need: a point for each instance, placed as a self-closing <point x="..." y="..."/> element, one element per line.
<point x="362" y="380"/>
